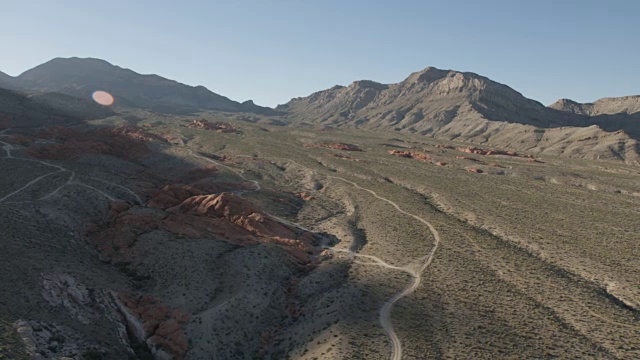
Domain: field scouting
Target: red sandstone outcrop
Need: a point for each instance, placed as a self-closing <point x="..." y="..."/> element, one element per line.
<point x="474" y="150"/>
<point x="236" y="220"/>
<point x="218" y="126"/>
<point x="337" y="146"/>
<point x="156" y="324"/>
<point x="475" y="170"/>
<point x="441" y="163"/>
<point x="304" y="195"/>
<point x="411" y="155"/>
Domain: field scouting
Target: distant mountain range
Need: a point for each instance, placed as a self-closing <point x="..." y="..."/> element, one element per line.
<point x="468" y="107"/>
<point x="81" y="77"/>
<point x="446" y="104"/>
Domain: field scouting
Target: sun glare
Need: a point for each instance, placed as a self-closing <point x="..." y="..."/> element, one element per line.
<point x="102" y="98"/>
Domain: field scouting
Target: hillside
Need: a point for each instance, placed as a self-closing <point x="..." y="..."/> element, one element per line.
<point x="466" y="107"/>
<point x="608" y="106"/>
<point x="79" y="77"/>
<point x="19" y="110"/>
<point x="8" y="82"/>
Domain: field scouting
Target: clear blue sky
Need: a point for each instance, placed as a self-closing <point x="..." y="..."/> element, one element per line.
<point x="273" y="50"/>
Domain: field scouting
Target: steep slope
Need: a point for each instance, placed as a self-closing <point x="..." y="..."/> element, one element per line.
<point x="8" y="82"/>
<point x="19" y="110"/>
<point x="426" y="101"/>
<point x="611" y="114"/>
<point x="81" y="77"/>
<point x="463" y="106"/>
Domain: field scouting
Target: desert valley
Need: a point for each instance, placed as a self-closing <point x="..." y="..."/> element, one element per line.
<point x="442" y="216"/>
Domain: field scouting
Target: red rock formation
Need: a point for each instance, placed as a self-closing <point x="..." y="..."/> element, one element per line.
<point x="411" y="155"/>
<point x="219" y="127"/>
<point x="441" y="163"/>
<point x="337" y="146"/>
<point x="304" y="195"/>
<point x="162" y="327"/>
<point x="238" y="221"/>
<point x="474" y="150"/>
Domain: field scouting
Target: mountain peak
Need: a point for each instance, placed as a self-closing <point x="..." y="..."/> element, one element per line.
<point x="427" y="75"/>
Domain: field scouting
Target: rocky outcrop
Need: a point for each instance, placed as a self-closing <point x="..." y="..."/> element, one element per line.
<point x="478" y="151"/>
<point x="303" y="195"/>
<point x="64" y="290"/>
<point x="236" y="220"/>
<point x="337" y="146"/>
<point x="411" y="155"/>
<point x="156" y="325"/>
<point x="218" y="126"/>
<point x="50" y="341"/>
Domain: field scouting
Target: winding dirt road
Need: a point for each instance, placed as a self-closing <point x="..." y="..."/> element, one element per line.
<point x="385" y="311"/>
<point x="70" y="181"/>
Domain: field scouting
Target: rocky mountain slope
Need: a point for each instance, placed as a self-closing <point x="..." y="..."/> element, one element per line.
<point x="608" y="106"/>
<point x="80" y="77"/>
<point x="45" y="109"/>
<point x="467" y="107"/>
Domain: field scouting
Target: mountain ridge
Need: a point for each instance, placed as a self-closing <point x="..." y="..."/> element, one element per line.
<point x="467" y="107"/>
<point x="80" y="77"/>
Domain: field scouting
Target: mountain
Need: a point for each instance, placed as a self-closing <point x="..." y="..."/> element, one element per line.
<point x="80" y="77"/>
<point x="427" y="101"/>
<point x="8" y="82"/>
<point x="608" y="106"/>
<point x="462" y="106"/>
<point x="21" y="110"/>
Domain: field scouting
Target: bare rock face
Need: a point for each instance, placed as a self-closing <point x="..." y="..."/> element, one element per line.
<point x="49" y="341"/>
<point x="154" y="323"/>
<point x="64" y="290"/>
<point x="238" y="221"/>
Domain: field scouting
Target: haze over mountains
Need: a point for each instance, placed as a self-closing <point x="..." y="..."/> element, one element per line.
<point x="441" y="103"/>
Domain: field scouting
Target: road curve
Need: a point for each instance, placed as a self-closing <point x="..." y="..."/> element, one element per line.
<point x="416" y="274"/>
<point x="385" y="311"/>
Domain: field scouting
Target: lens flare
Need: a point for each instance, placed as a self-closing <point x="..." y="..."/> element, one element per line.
<point x="102" y="98"/>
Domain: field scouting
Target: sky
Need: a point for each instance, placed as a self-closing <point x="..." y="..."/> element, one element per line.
<point x="273" y="50"/>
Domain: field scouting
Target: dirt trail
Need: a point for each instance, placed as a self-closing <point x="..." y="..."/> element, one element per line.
<point x="71" y="181"/>
<point x="385" y="311"/>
